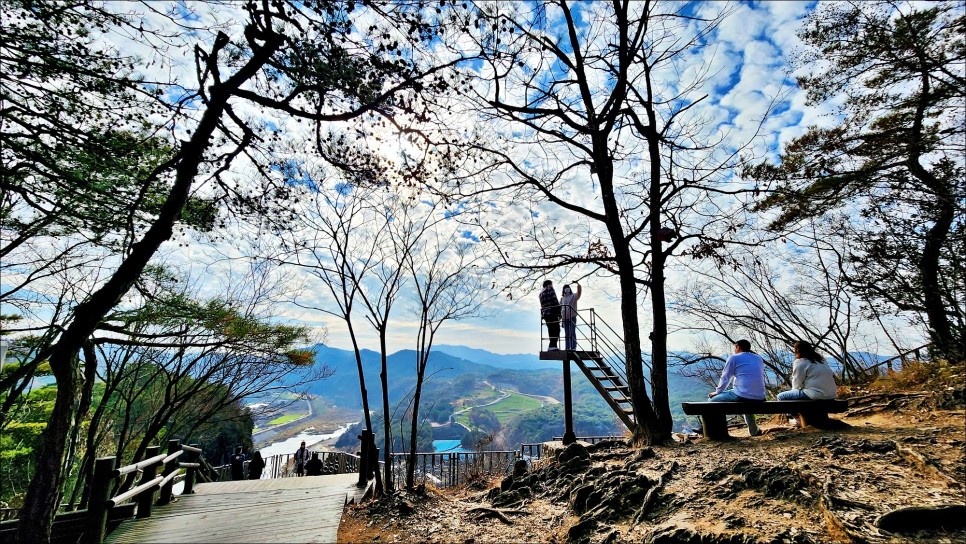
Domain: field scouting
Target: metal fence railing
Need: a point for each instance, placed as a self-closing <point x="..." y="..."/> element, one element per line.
<point x="333" y="462"/>
<point x="455" y="468"/>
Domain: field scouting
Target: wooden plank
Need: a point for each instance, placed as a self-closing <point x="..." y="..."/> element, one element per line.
<point x="307" y="509"/>
<point x="765" y="407"/>
<point x="254" y="522"/>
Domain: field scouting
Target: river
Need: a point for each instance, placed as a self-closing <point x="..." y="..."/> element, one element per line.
<point x="292" y="444"/>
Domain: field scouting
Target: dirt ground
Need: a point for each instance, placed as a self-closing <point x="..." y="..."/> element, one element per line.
<point x="787" y="485"/>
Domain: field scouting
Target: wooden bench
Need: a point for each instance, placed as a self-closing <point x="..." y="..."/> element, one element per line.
<point x="809" y="412"/>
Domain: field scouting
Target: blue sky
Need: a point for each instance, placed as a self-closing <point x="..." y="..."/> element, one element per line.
<point x="746" y="65"/>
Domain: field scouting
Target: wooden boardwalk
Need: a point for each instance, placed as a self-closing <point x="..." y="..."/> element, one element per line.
<point x="306" y="509"/>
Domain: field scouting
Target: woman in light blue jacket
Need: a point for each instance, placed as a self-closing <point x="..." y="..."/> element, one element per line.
<point x="812" y="379"/>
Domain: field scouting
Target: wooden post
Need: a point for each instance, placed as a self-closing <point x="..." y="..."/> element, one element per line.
<point x="189" y="478"/>
<point x="819" y="420"/>
<point x="146" y="499"/>
<point x="166" y="490"/>
<point x="364" y="459"/>
<point x="715" y="426"/>
<point x="569" y="436"/>
<point x="97" y="504"/>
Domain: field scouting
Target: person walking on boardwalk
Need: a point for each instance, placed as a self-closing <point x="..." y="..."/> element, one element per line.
<point x="747" y="369"/>
<point x="550" y="312"/>
<point x="301" y="457"/>
<point x="568" y="314"/>
<point x="812" y="379"/>
<point x="255" y="466"/>
<point x="238" y="464"/>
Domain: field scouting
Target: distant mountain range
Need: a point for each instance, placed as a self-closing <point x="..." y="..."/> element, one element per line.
<point x="457" y="370"/>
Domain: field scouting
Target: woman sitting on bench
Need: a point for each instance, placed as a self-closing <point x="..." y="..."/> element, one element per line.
<point x="812" y="379"/>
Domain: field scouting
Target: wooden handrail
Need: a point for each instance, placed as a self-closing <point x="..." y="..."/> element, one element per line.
<point x="174" y="451"/>
<point x="146" y="500"/>
<point x="139" y="466"/>
<point x="899" y="357"/>
<point x="134" y="491"/>
<point x="105" y="472"/>
<point x="172" y="457"/>
<point x="165" y="480"/>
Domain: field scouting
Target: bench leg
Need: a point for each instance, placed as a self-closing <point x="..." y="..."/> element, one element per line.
<point x="819" y="420"/>
<point x="715" y="426"/>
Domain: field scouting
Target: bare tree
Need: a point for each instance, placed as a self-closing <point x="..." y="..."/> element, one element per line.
<point x="449" y="286"/>
<point x="335" y="240"/>
<point x="588" y="114"/>
<point x="798" y="293"/>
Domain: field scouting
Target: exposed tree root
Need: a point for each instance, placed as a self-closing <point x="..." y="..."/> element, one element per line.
<point x="483" y="513"/>
<point x="926" y="465"/>
<point x="651" y="495"/>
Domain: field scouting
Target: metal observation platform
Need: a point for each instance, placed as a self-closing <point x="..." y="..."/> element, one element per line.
<point x="599" y="354"/>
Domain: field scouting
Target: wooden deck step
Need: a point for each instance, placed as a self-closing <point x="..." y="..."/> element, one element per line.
<point x="307" y="509"/>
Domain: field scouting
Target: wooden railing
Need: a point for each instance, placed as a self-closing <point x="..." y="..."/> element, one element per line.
<point x="105" y="511"/>
<point x="917" y="352"/>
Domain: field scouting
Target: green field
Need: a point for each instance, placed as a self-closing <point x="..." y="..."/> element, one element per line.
<point x="284" y="419"/>
<point x="507" y="408"/>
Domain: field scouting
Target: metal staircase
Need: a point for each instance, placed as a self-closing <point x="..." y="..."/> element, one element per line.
<point x="600" y="356"/>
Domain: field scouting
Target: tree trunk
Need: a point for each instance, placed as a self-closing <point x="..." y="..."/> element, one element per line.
<point x="425" y="343"/>
<point x="84" y="406"/>
<point x="658" y="334"/>
<point x="659" y="385"/>
<point x="411" y="464"/>
<point x="648" y="429"/>
<point x="44" y="490"/>
<point x="929" y="261"/>
<point x="386" y="423"/>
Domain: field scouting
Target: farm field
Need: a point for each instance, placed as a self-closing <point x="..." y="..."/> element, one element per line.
<point x="505" y="409"/>
<point x="284" y="419"/>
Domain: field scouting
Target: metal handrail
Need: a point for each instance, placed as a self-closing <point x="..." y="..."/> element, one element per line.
<point x="448" y="469"/>
<point x="611" y="351"/>
<point x="282" y="465"/>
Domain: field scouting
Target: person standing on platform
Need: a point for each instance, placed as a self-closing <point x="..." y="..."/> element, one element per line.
<point x="301" y="457"/>
<point x="550" y="312"/>
<point x="747" y="369"/>
<point x="238" y="464"/>
<point x="568" y="314"/>
<point x="255" y="466"/>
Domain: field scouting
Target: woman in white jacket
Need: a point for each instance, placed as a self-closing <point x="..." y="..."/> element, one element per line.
<point x="812" y="379"/>
<point x="568" y="314"/>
